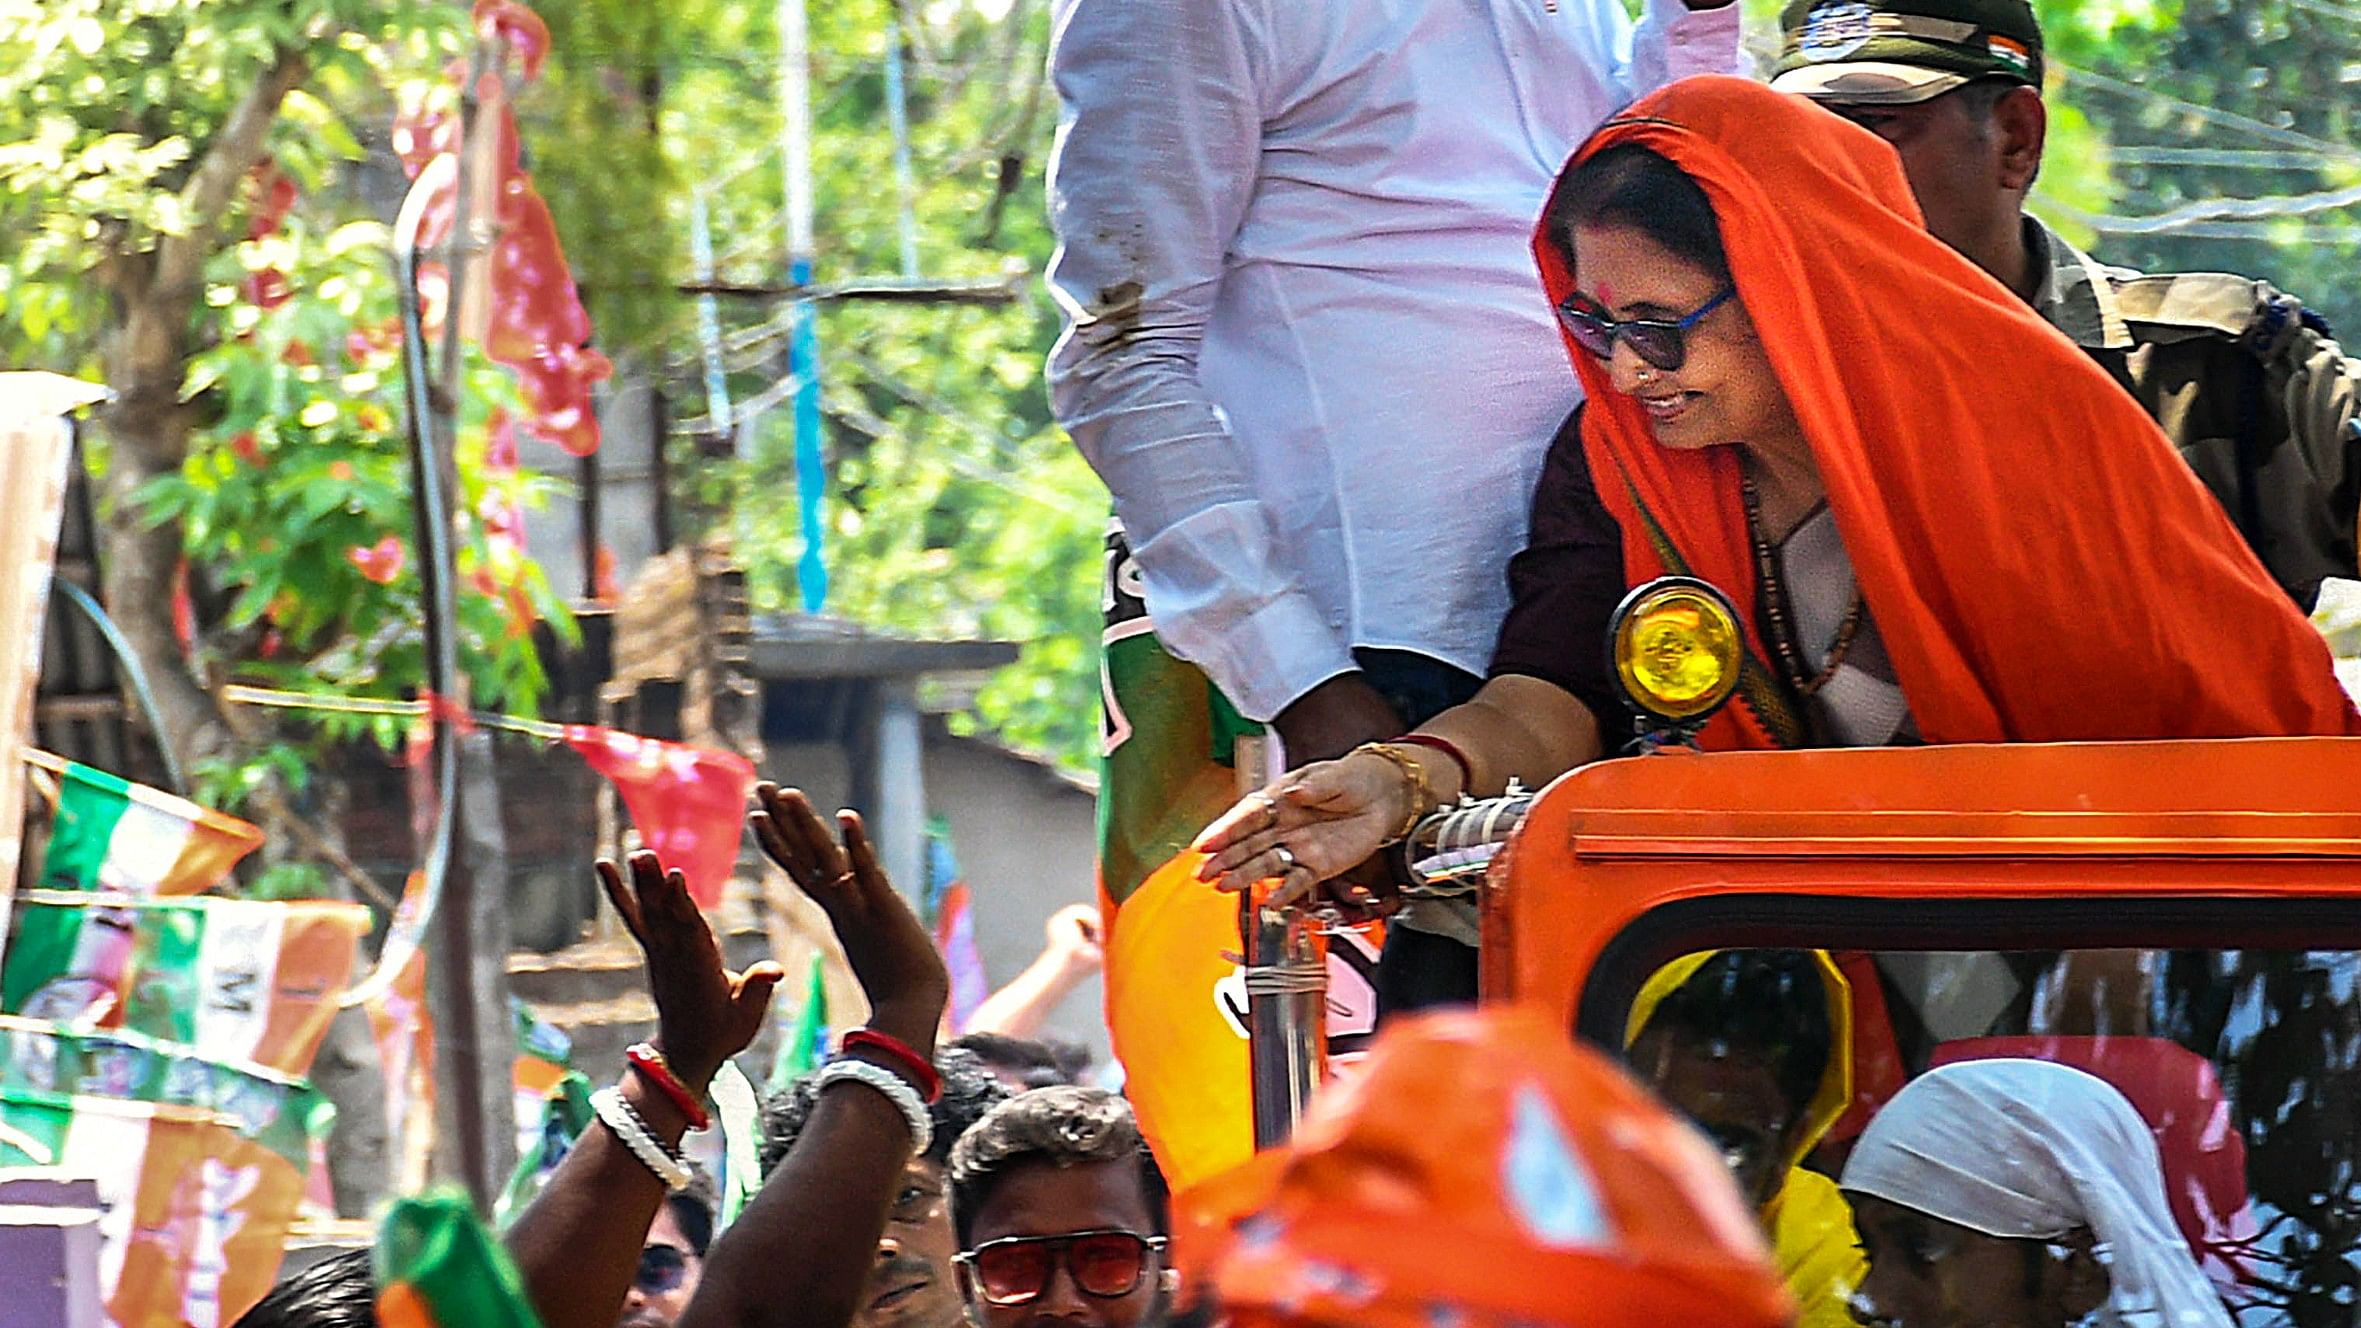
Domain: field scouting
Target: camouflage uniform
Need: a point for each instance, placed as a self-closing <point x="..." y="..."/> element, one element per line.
<point x="2248" y="385"/>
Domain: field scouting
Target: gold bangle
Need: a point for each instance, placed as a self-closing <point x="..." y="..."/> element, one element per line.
<point x="1421" y="792"/>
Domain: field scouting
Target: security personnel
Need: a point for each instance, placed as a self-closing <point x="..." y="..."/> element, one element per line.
<point x="2246" y="382"/>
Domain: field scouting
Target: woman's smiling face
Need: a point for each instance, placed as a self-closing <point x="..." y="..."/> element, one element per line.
<point x="1724" y="391"/>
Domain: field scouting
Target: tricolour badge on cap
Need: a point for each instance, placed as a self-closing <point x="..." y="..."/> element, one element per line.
<point x="2011" y="52"/>
<point x="1834" y="31"/>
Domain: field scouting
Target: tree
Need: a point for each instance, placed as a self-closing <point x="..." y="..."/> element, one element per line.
<point x="199" y="237"/>
<point x="954" y="504"/>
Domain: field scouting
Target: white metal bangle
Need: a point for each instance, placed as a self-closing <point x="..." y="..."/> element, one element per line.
<point x="897" y="1090"/>
<point x="636" y="1136"/>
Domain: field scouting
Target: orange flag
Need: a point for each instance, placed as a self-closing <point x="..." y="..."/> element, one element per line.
<point x="1183" y="1048"/>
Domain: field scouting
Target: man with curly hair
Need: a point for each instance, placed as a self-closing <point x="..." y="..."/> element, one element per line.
<point x="911" y="1283"/>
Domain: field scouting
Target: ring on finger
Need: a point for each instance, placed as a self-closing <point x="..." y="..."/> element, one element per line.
<point x="1287" y="859"/>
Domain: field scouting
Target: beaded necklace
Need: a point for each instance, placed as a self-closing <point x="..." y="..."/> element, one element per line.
<point x="1775" y="607"/>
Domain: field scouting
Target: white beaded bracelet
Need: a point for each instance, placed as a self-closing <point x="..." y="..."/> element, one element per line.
<point x="897" y="1090"/>
<point x="636" y="1136"/>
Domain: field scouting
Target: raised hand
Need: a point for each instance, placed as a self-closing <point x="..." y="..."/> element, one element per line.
<point x="1308" y="827"/>
<point x="705" y="1013"/>
<point x="890" y="953"/>
<point x="1073" y="939"/>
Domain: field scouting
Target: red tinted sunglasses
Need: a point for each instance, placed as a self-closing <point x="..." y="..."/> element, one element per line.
<point x="1104" y="1264"/>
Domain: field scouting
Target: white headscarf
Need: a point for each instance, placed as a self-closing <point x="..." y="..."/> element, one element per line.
<point x="2031" y="1151"/>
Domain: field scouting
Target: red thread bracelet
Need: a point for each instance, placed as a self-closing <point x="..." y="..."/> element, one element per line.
<point x="1467" y="769"/>
<point x="656" y="1070"/>
<point x="914" y="1067"/>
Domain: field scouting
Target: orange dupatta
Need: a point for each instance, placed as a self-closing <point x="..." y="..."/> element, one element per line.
<point x="2041" y="564"/>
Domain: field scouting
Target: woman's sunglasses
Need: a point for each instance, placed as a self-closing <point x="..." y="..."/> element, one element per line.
<point x="1661" y="342"/>
<point x="1104" y="1264"/>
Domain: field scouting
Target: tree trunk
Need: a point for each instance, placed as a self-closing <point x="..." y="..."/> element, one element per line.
<point x="145" y="354"/>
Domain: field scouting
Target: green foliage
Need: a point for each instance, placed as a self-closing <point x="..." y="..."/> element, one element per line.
<point x="2265" y="95"/>
<point x="306" y="467"/>
<point x="106" y="106"/>
<point x="956" y="507"/>
<point x="597" y="101"/>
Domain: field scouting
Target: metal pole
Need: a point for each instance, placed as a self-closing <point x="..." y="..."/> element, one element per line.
<point x="897" y="107"/>
<point x="717" y="383"/>
<point x="803" y="347"/>
<point x="1286" y="996"/>
<point x="465" y="865"/>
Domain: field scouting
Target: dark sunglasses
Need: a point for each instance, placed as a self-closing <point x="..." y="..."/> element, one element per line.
<point x="1104" y="1264"/>
<point x="1661" y="342"/>
<point x="662" y="1268"/>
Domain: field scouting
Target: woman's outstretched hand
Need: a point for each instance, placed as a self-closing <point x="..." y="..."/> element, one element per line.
<point x="890" y="953"/>
<point x="1310" y="826"/>
<point x="705" y="1013"/>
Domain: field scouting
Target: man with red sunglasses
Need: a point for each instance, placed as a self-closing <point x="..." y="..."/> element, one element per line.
<point x="1061" y="1214"/>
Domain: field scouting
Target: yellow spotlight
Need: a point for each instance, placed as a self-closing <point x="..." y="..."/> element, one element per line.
<point x="1676" y="647"/>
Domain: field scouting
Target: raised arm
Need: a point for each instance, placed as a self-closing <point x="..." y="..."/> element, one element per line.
<point x="578" y="1242"/>
<point x="1159" y="142"/>
<point x="800" y="1253"/>
<point x="1071" y="954"/>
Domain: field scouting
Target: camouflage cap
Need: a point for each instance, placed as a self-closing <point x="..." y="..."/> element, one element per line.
<point x="1900" y="51"/>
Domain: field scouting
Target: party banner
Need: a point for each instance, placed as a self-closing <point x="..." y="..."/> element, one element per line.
<point x="112" y="834"/>
<point x="200" y="1163"/>
<point x="438" y="1268"/>
<point x="237" y="979"/>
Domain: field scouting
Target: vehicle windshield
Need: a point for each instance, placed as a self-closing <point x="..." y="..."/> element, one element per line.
<point x="1901" y="1123"/>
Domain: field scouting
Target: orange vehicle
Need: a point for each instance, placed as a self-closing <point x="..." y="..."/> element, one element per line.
<point x="2182" y="919"/>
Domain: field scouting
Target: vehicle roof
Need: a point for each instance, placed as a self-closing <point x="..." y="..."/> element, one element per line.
<point x="2250" y="796"/>
<point x="1622" y="864"/>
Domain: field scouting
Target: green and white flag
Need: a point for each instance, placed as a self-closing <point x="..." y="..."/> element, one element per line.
<point x="112" y="834"/>
<point x="237" y="979"/>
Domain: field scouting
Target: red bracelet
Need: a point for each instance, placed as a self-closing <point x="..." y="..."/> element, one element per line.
<point x="656" y="1070"/>
<point x="914" y="1067"/>
<point x="1467" y="769"/>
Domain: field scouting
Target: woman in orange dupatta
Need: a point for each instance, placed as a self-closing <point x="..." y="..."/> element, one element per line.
<point x="1823" y="407"/>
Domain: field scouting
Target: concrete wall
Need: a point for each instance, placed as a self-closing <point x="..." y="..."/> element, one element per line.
<point x="1027" y="844"/>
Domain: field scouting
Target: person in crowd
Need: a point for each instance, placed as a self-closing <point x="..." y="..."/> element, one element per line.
<point x="1301" y="344"/>
<point x="1792" y="393"/>
<point x="911" y="1284"/>
<point x="1061" y="1214"/>
<point x="1482" y="1168"/>
<point x="2246" y="382"/>
<point x="2019" y="1194"/>
<point x="671" y="1259"/>
<point x="339" y="1291"/>
<point x="1071" y="954"/>
<point x="1025" y="1063"/>
<point x="1754" y="1047"/>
